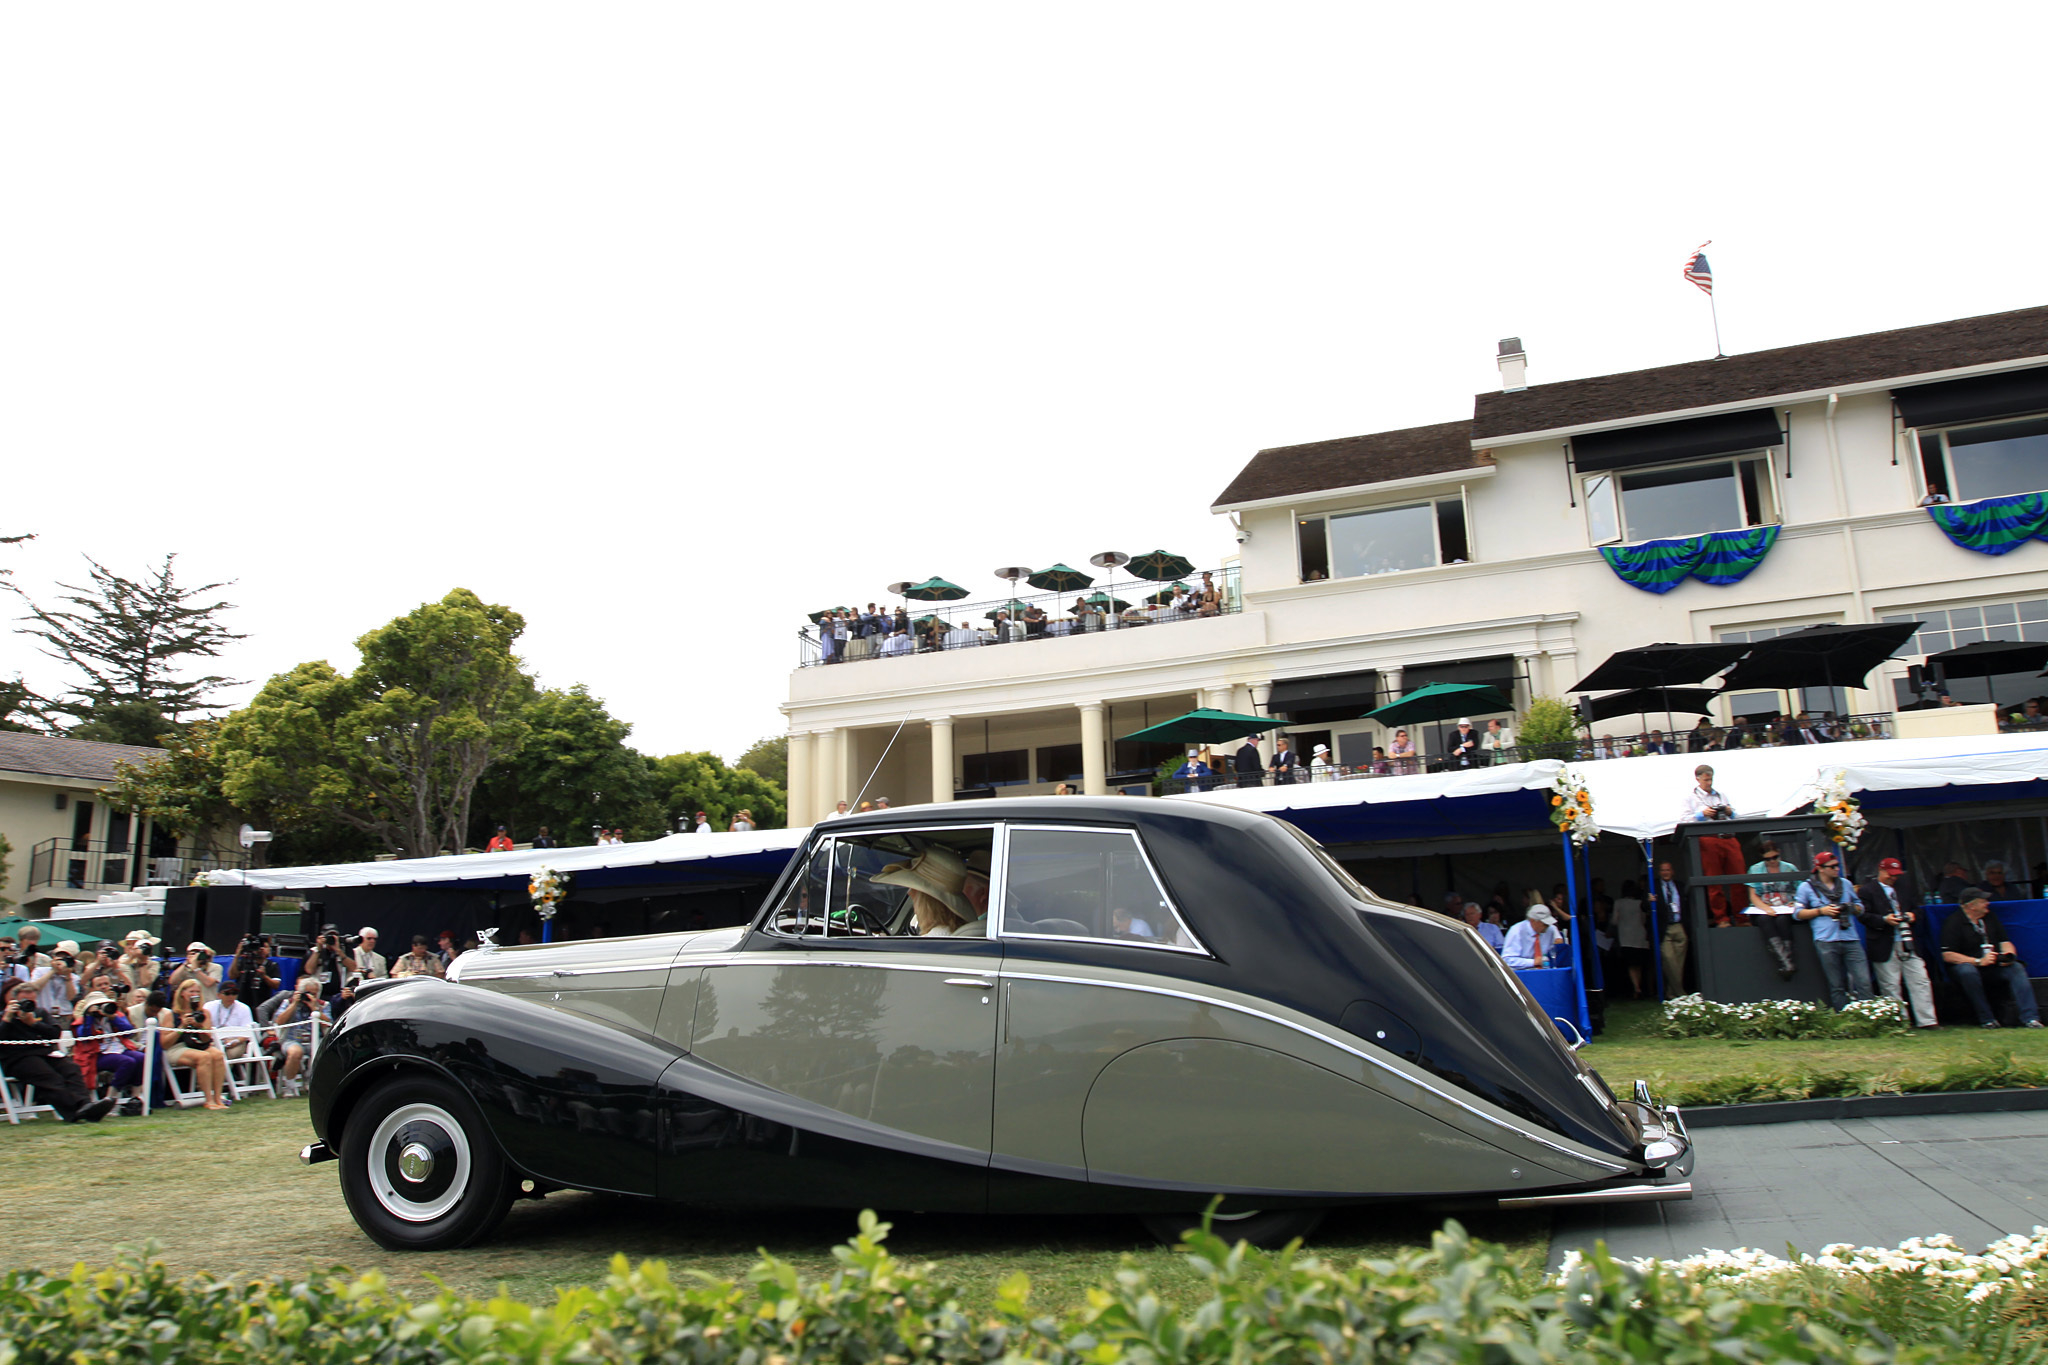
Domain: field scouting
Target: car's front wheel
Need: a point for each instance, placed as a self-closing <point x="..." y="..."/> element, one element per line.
<point x="1260" y="1227"/>
<point x="419" y="1169"/>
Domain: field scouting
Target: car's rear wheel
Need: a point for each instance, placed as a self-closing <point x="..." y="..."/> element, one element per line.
<point x="419" y="1169"/>
<point x="1260" y="1227"/>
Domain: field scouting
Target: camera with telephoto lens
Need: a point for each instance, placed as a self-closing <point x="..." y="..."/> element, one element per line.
<point x="109" y="1009"/>
<point x="2008" y="959"/>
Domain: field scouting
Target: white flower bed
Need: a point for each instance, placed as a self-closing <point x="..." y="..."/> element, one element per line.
<point x="2006" y="1262"/>
<point x="1694" y="1016"/>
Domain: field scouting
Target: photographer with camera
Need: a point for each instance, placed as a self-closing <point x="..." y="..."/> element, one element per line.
<point x="1832" y="904"/>
<point x="301" y="1013"/>
<point x="198" y="966"/>
<point x="187" y="1040"/>
<point x="369" y="961"/>
<point x="100" y="1054"/>
<point x="57" y="984"/>
<point x="136" y="961"/>
<point x="28" y="1053"/>
<point x="330" y="962"/>
<point x="251" y="971"/>
<point x="1974" y="946"/>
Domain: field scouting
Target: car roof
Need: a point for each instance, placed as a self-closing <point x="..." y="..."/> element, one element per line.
<point x="1124" y="810"/>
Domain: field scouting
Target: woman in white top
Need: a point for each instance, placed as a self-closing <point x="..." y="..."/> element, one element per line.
<point x="742" y="823"/>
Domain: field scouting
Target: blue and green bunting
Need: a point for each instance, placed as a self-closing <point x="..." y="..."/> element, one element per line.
<point x="1994" y="526"/>
<point x="1718" y="557"/>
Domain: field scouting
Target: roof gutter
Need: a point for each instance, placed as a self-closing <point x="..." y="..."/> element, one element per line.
<point x="1450" y="477"/>
<point x="1760" y="401"/>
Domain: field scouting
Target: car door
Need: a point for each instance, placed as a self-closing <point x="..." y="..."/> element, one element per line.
<point x="895" y="1030"/>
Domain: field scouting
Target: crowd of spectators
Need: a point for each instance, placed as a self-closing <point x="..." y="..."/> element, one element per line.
<point x="847" y="633"/>
<point x="209" y="1012"/>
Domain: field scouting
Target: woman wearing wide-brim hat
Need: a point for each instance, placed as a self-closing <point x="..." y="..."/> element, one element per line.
<point x="934" y="879"/>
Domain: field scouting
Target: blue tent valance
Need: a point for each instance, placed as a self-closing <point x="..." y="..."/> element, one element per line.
<point x="1718" y="557"/>
<point x="1994" y="526"/>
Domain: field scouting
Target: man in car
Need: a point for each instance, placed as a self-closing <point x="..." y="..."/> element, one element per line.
<point x="1973" y="946"/>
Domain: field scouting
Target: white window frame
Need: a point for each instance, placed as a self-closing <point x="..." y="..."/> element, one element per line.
<point x="1948" y="464"/>
<point x="998" y="929"/>
<point x="1767" y="485"/>
<point x="1436" y="536"/>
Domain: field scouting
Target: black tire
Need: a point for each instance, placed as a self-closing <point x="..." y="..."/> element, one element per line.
<point x="419" y="1169"/>
<point x="1261" y="1227"/>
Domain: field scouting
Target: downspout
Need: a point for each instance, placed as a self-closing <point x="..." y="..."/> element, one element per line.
<point x="1855" y="572"/>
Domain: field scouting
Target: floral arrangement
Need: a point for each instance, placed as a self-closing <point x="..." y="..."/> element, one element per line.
<point x="1571" y="806"/>
<point x="204" y="878"/>
<point x="1694" y="1016"/>
<point x="2014" y="1260"/>
<point x="547" y="887"/>
<point x="1845" y="817"/>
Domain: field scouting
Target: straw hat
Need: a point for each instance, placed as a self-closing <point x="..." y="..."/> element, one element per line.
<point x="142" y="936"/>
<point x="69" y="945"/>
<point x="95" y="998"/>
<point x="938" y="872"/>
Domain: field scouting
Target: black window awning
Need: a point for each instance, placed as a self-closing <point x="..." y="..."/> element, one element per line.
<point x="1328" y="692"/>
<point x="1668" y="442"/>
<point x="1969" y="400"/>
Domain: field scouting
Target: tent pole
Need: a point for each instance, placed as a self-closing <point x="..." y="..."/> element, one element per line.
<point x="1656" y="934"/>
<point x="1571" y="908"/>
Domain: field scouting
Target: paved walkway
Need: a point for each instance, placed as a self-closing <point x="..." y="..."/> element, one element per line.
<point x="1868" y="1182"/>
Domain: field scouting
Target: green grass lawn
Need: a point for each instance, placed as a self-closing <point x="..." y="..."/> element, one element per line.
<point x="224" y="1193"/>
<point x="1631" y="1048"/>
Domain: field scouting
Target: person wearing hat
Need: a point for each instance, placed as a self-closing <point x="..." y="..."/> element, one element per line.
<point x="24" y="1029"/>
<point x="232" y="1022"/>
<point x="57" y="981"/>
<point x="501" y="842"/>
<point x="99" y="1047"/>
<point x="936" y="879"/>
<point x="1973" y="946"/>
<point x="1464" y="746"/>
<point x="200" y="966"/>
<point x="1891" y="909"/>
<point x="1320" y="769"/>
<point x="1832" y="905"/>
<point x="1528" y="944"/>
<point x="137" y="959"/>
<point x="703" y="824"/>
<point x="1194" y="773"/>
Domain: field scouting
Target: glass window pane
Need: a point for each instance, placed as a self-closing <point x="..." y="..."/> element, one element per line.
<point x="1452" y="542"/>
<point x="2034" y="630"/>
<point x="1968" y="635"/>
<point x="2003" y="614"/>
<point x="1681" y="502"/>
<point x="1959" y="617"/>
<point x="2009" y="457"/>
<point x="1383" y="541"/>
<point x="1315" y="550"/>
<point x="802" y="910"/>
<point x="2034" y="611"/>
<point x="1066" y="883"/>
<point x="1603" y="520"/>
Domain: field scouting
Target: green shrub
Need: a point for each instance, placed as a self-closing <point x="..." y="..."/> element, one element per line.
<point x="1547" y="724"/>
<point x="1459" y="1301"/>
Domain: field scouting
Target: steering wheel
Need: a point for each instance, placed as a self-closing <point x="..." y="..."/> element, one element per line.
<point x="869" y="919"/>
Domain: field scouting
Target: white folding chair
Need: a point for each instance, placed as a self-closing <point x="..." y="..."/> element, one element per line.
<point x="248" y="1074"/>
<point x="185" y="1094"/>
<point x="20" y="1100"/>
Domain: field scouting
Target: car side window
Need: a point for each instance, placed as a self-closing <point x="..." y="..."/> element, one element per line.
<point x="803" y="909"/>
<point x="1087" y="884"/>
<point x="901" y="883"/>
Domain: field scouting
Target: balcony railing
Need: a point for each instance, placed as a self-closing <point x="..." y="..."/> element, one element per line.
<point x="96" y="865"/>
<point x="1577" y="751"/>
<point x="972" y="625"/>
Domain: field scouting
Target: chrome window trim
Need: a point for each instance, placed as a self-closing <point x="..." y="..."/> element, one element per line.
<point x="567" y="969"/>
<point x="786" y="960"/>
<point x="996" y="864"/>
<point x="998" y="903"/>
<point x="1338" y="1043"/>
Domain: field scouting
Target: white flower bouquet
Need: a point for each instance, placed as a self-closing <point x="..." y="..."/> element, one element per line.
<point x="547" y="887"/>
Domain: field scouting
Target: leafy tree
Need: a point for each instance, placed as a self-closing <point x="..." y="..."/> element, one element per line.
<point x="125" y="722"/>
<point x="396" y="751"/>
<point x="129" y="639"/>
<point x="183" y="791"/>
<point x="769" y="757"/>
<point x="1548" y="721"/>
<point x="15" y="699"/>
<point x="688" y="783"/>
<point x="574" y="771"/>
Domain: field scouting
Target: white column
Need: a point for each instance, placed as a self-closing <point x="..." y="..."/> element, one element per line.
<point x="1094" y="765"/>
<point x="942" y="758"/>
<point x="828" y="778"/>
<point x="803" y="808"/>
<point x="1261" y="694"/>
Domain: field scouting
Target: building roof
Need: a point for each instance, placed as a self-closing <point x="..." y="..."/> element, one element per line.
<point x="1284" y="471"/>
<point x="53" y="756"/>
<point x="1761" y="375"/>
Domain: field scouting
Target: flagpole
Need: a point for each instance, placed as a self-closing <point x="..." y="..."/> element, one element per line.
<point x="1715" y="313"/>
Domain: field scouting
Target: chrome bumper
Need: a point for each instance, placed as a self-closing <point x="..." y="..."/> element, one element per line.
<point x="315" y="1153"/>
<point x="1667" y="1158"/>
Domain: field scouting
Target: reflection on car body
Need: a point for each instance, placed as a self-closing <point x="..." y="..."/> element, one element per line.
<point x="995" y="1006"/>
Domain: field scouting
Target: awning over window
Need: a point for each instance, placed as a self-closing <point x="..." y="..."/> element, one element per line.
<point x="1669" y="442"/>
<point x="1968" y="400"/>
<point x="1328" y="692"/>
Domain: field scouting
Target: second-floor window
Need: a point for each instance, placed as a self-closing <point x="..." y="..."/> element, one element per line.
<point x="1987" y="460"/>
<point x="1380" y="540"/>
<point x="1681" y="500"/>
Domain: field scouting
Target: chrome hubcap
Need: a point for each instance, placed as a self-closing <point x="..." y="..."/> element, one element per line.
<point x="419" y="1161"/>
<point x="415" y="1163"/>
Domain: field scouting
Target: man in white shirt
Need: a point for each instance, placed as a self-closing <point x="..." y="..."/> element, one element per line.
<point x="369" y="962"/>
<point x="1719" y="856"/>
<point x="1528" y="944"/>
<point x="231" y="1020"/>
<point x="703" y="823"/>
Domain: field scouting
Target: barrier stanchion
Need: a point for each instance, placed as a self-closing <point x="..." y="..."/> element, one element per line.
<point x="148" y="1064"/>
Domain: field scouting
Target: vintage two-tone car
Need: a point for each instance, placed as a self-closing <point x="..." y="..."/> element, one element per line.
<point x="1014" y="1005"/>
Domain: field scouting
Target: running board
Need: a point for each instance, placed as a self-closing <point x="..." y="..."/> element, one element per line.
<point x="1612" y="1194"/>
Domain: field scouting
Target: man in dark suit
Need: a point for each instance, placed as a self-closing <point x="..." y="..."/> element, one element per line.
<point x="1247" y="764"/>
<point x="1659" y="745"/>
<point x="1667" y="904"/>
<point x="1286" y="764"/>
<point x="1891" y="910"/>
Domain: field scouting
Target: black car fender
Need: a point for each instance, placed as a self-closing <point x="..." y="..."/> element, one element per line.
<point x="569" y="1100"/>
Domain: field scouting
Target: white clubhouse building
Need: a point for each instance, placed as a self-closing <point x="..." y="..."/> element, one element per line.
<point x="1472" y="551"/>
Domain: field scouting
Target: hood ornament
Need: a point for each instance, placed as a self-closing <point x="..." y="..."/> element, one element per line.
<point x="486" y="939"/>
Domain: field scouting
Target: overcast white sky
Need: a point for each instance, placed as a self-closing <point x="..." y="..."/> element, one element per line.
<point x="664" y="324"/>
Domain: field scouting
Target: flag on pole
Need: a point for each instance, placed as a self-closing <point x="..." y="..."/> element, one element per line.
<point x="1697" y="271"/>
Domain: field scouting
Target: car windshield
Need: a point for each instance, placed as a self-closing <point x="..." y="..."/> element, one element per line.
<point x="923" y="883"/>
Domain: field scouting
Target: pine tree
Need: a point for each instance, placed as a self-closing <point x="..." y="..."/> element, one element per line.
<point x="128" y="639"/>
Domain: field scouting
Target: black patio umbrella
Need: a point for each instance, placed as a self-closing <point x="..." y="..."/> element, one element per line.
<point x="1819" y="656"/>
<point x="1692" y="701"/>
<point x="1160" y="565"/>
<point x="1987" y="658"/>
<point x="1059" y="578"/>
<point x="1664" y="665"/>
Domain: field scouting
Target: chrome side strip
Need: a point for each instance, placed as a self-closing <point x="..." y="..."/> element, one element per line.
<point x="1382" y="1063"/>
<point x="556" y="969"/>
<point x="1611" y="1194"/>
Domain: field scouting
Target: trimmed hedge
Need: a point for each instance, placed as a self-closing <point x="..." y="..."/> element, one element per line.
<point x="1998" y="1070"/>
<point x="1457" y="1302"/>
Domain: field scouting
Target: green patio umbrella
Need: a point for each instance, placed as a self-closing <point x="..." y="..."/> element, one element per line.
<point x="1204" y="725"/>
<point x="818" y="616"/>
<point x="1160" y="565"/>
<point x="1013" y="606"/>
<point x="1165" y="594"/>
<point x="53" y="934"/>
<point x="1103" y="599"/>
<point x="1438" y="701"/>
<point x="1059" y="578"/>
<point x="935" y="590"/>
<point x="921" y="622"/>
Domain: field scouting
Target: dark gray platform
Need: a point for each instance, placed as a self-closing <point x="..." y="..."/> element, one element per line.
<point x="1869" y="1182"/>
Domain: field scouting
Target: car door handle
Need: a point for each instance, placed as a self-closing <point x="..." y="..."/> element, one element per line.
<point x="976" y="982"/>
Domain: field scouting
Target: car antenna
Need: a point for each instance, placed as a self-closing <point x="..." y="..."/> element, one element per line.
<point x="880" y="761"/>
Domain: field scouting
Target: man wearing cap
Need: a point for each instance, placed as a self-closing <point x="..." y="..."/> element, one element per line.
<point x="1528" y="944"/>
<point x="1831" y="904"/>
<point x="1193" y="772"/>
<point x="56" y="982"/>
<point x="232" y="1022"/>
<point x="369" y="962"/>
<point x="1246" y="763"/>
<point x="136" y="959"/>
<point x="1464" y="746"/>
<point x="1890" y="912"/>
<point x="199" y="965"/>
<point x="1973" y="946"/>
<point x="703" y="824"/>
